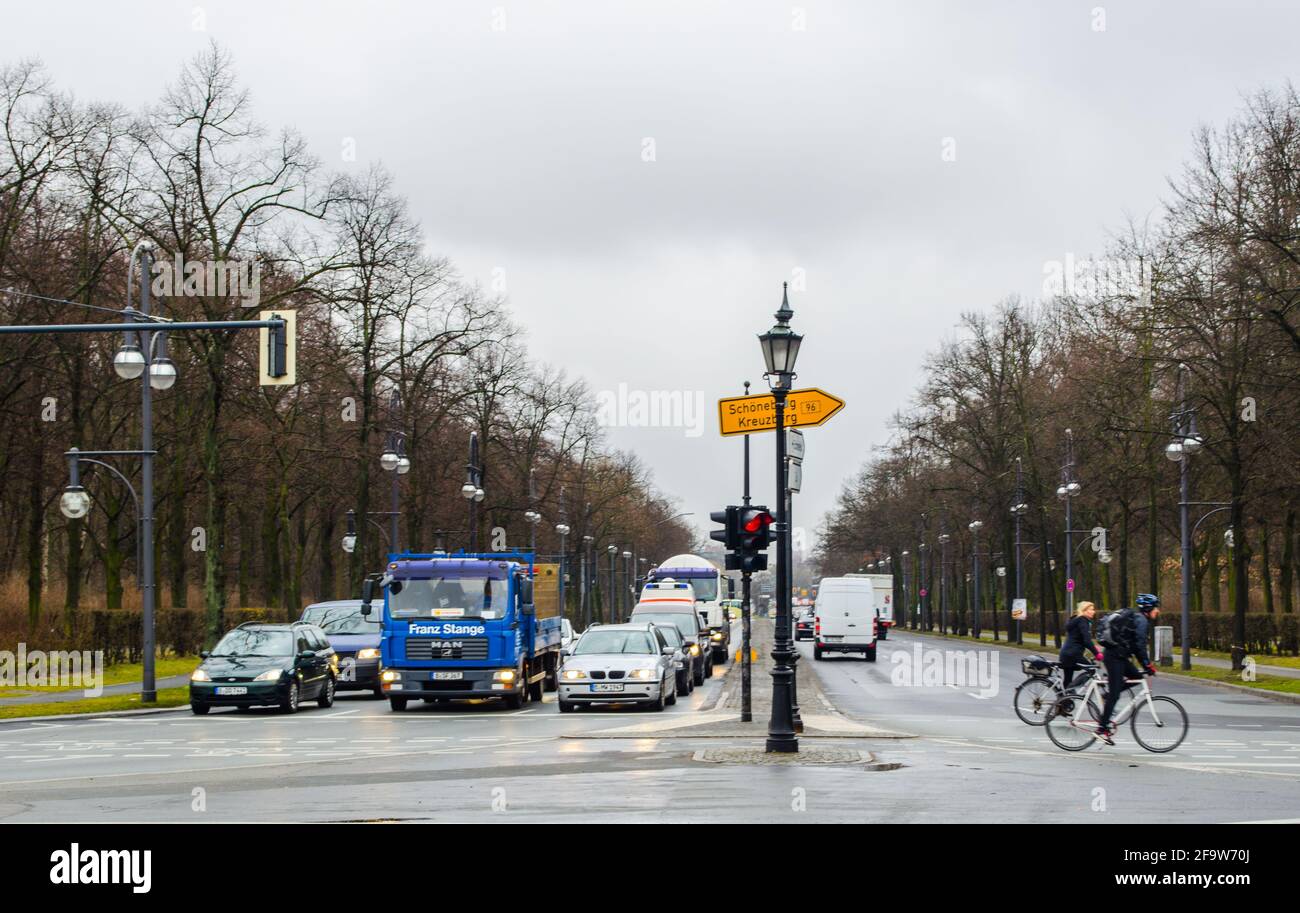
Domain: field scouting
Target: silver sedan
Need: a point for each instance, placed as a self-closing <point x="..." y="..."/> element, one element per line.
<point x="619" y="664"/>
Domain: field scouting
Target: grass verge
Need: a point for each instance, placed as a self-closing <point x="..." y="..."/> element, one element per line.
<point x="167" y="697"/>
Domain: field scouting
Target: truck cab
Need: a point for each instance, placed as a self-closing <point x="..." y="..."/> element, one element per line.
<point x="462" y="626"/>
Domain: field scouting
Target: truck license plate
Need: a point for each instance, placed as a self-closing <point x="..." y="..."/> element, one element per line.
<point x="447" y="676"/>
<point x="232" y="690"/>
<point x="607" y="687"/>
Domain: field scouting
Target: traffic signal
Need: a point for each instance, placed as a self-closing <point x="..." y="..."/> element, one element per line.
<point x="729" y="535"/>
<point x="277" y="364"/>
<point x="755" y="536"/>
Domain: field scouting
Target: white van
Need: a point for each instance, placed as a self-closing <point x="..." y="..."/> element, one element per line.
<point x="884" y="600"/>
<point x="844" y="617"/>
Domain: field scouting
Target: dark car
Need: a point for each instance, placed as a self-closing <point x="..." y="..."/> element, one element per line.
<point x="266" y="664"/>
<point x="355" y="639"/>
<point x="803" y="625"/>
<point x="673" y="635"/>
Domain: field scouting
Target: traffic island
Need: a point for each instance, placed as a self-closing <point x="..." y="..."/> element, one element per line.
<point x="720" y="718"/>
<point x="813" y="755"/>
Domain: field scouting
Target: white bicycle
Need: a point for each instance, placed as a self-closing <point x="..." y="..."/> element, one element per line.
<point x="1159" y="723"/>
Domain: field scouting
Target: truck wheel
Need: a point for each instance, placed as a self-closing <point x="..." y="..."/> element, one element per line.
<point x="397" y="703"/>
<point x="515" y="701"/>
<point x="871" y="653"/>
<point x="552" y="680"/>
<point x="817" y="651"/>
<point x="534" y="689"/>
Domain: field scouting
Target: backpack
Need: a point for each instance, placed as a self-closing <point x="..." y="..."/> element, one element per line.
<point x="1118" y="630"/>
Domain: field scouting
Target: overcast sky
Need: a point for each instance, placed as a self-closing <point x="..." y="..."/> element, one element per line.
<point x="643" y="176"/>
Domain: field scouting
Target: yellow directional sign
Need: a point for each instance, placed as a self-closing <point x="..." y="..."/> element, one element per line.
<point x="803" y="408"/>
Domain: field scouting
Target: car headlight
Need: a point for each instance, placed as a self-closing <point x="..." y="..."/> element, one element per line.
<point x="270" y="675"/>
<point x="695" y="650"/>
<point x="368" y="653"/>
<point x="717" y="635"/>
<point x="198" y="675"/>
<point x="574" y="674"/>
<point x="503" y="675"/>
<point x="641" y="673"/>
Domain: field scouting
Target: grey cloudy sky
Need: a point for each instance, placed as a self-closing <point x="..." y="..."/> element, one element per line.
<point x="787" y="136"/>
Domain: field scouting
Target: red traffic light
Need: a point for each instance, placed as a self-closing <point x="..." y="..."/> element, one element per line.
<point x="758" y="522"/>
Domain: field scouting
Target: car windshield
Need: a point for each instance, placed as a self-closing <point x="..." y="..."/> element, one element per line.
<point x="448" y="597"/>
<point x="255" y="642"/>
<point x="344" y="619"/>
<point x="682" y="620"/>
<point x="614" y="642"/>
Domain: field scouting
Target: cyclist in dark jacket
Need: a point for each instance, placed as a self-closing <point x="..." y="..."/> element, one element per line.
<point x="1118" y="659"/>
<point x="1078" y="638"/>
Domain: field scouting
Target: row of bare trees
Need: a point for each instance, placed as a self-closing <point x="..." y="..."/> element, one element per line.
<point x="254" y="482"/>
<point x="1208" y="290"/>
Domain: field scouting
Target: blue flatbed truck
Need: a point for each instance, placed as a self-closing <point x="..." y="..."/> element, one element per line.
<point x="463" y="626"/>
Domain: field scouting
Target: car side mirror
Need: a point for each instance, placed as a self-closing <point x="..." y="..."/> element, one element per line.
<point x="669" y="651"/>
<point x="526" y="597"/>
<point x="566" y="651"/>
<point x="307" y="654"/>
<point x="204" y="654"/>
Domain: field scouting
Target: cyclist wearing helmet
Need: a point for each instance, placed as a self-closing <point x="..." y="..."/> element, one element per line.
<point x="1125" y="639"/>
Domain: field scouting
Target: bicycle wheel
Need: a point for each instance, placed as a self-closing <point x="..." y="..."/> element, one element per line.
<point x="1162" y="730"/>
<point x="1065" y="732"/>
<point x="1033" y="699"/>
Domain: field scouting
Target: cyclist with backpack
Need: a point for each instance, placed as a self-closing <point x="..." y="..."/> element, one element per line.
<point x="1123" y="636"/>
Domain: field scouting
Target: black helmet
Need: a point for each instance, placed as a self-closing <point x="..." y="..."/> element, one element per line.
<point x="1148" y="601"/>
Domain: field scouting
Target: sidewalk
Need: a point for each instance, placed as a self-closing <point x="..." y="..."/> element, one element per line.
<point x="79" y="694"/>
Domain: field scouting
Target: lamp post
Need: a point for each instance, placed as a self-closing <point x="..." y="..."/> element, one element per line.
<point x="1018" y="510"/>
<point x="907" y="572"/>
<point x="1185" y="444"/>
<point x="613" y="587"/>
<point x="394" y="460"/>
<point x="588" y="561"/>
<point x="944" y="539"/>
<point x="627" y="583"/>
<point x="975" y="526"/>
<point x="780" y="352"/>
<point x="562" y="530"/>
<point x="472" y="490"/>
<point x="1067" y="491"/>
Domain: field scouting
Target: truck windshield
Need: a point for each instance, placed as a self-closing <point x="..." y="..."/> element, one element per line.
<point x="706" y="588"/>
<point x="449" y="597"/>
